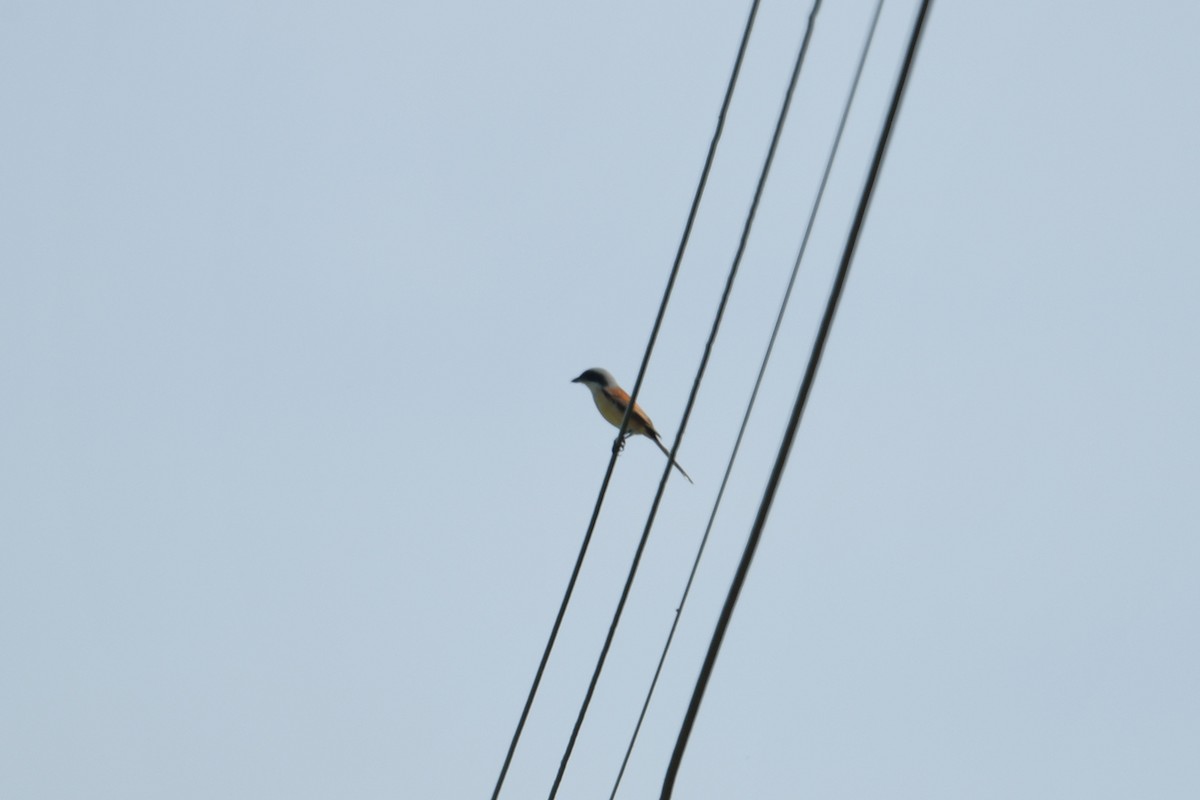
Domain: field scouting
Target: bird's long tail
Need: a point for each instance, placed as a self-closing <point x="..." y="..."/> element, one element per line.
<point x="667" y="453"/>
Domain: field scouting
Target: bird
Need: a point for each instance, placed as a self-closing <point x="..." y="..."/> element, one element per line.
<point x="612" y="401"/>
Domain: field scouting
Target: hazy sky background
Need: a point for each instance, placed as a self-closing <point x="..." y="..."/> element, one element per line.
<point x="292" y="476"/>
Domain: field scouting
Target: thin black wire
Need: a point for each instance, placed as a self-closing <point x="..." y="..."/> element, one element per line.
<point x="733" y="270"/>
<point x="789" y="436"/>
<point x="762" y="369"/>
<point x="662" y="309"/>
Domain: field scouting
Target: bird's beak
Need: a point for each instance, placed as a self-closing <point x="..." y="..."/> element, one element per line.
<point x="576" y="380"/>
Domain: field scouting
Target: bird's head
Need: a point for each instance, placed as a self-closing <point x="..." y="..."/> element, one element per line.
<point x="596" y="379"/>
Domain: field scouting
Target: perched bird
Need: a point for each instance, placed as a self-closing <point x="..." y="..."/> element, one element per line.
<point x="612" y="401"/>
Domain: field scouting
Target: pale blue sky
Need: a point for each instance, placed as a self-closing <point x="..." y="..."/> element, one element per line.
<point x="293" y="476"/>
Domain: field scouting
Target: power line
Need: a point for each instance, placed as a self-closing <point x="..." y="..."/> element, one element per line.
<point x="662" y="309"/>
<point x="733" y="270"/>
<point x="789" y="436"/>
<point x="787" y="294"/>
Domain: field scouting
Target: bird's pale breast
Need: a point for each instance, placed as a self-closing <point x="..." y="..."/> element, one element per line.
<point x="614" y="413"/>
